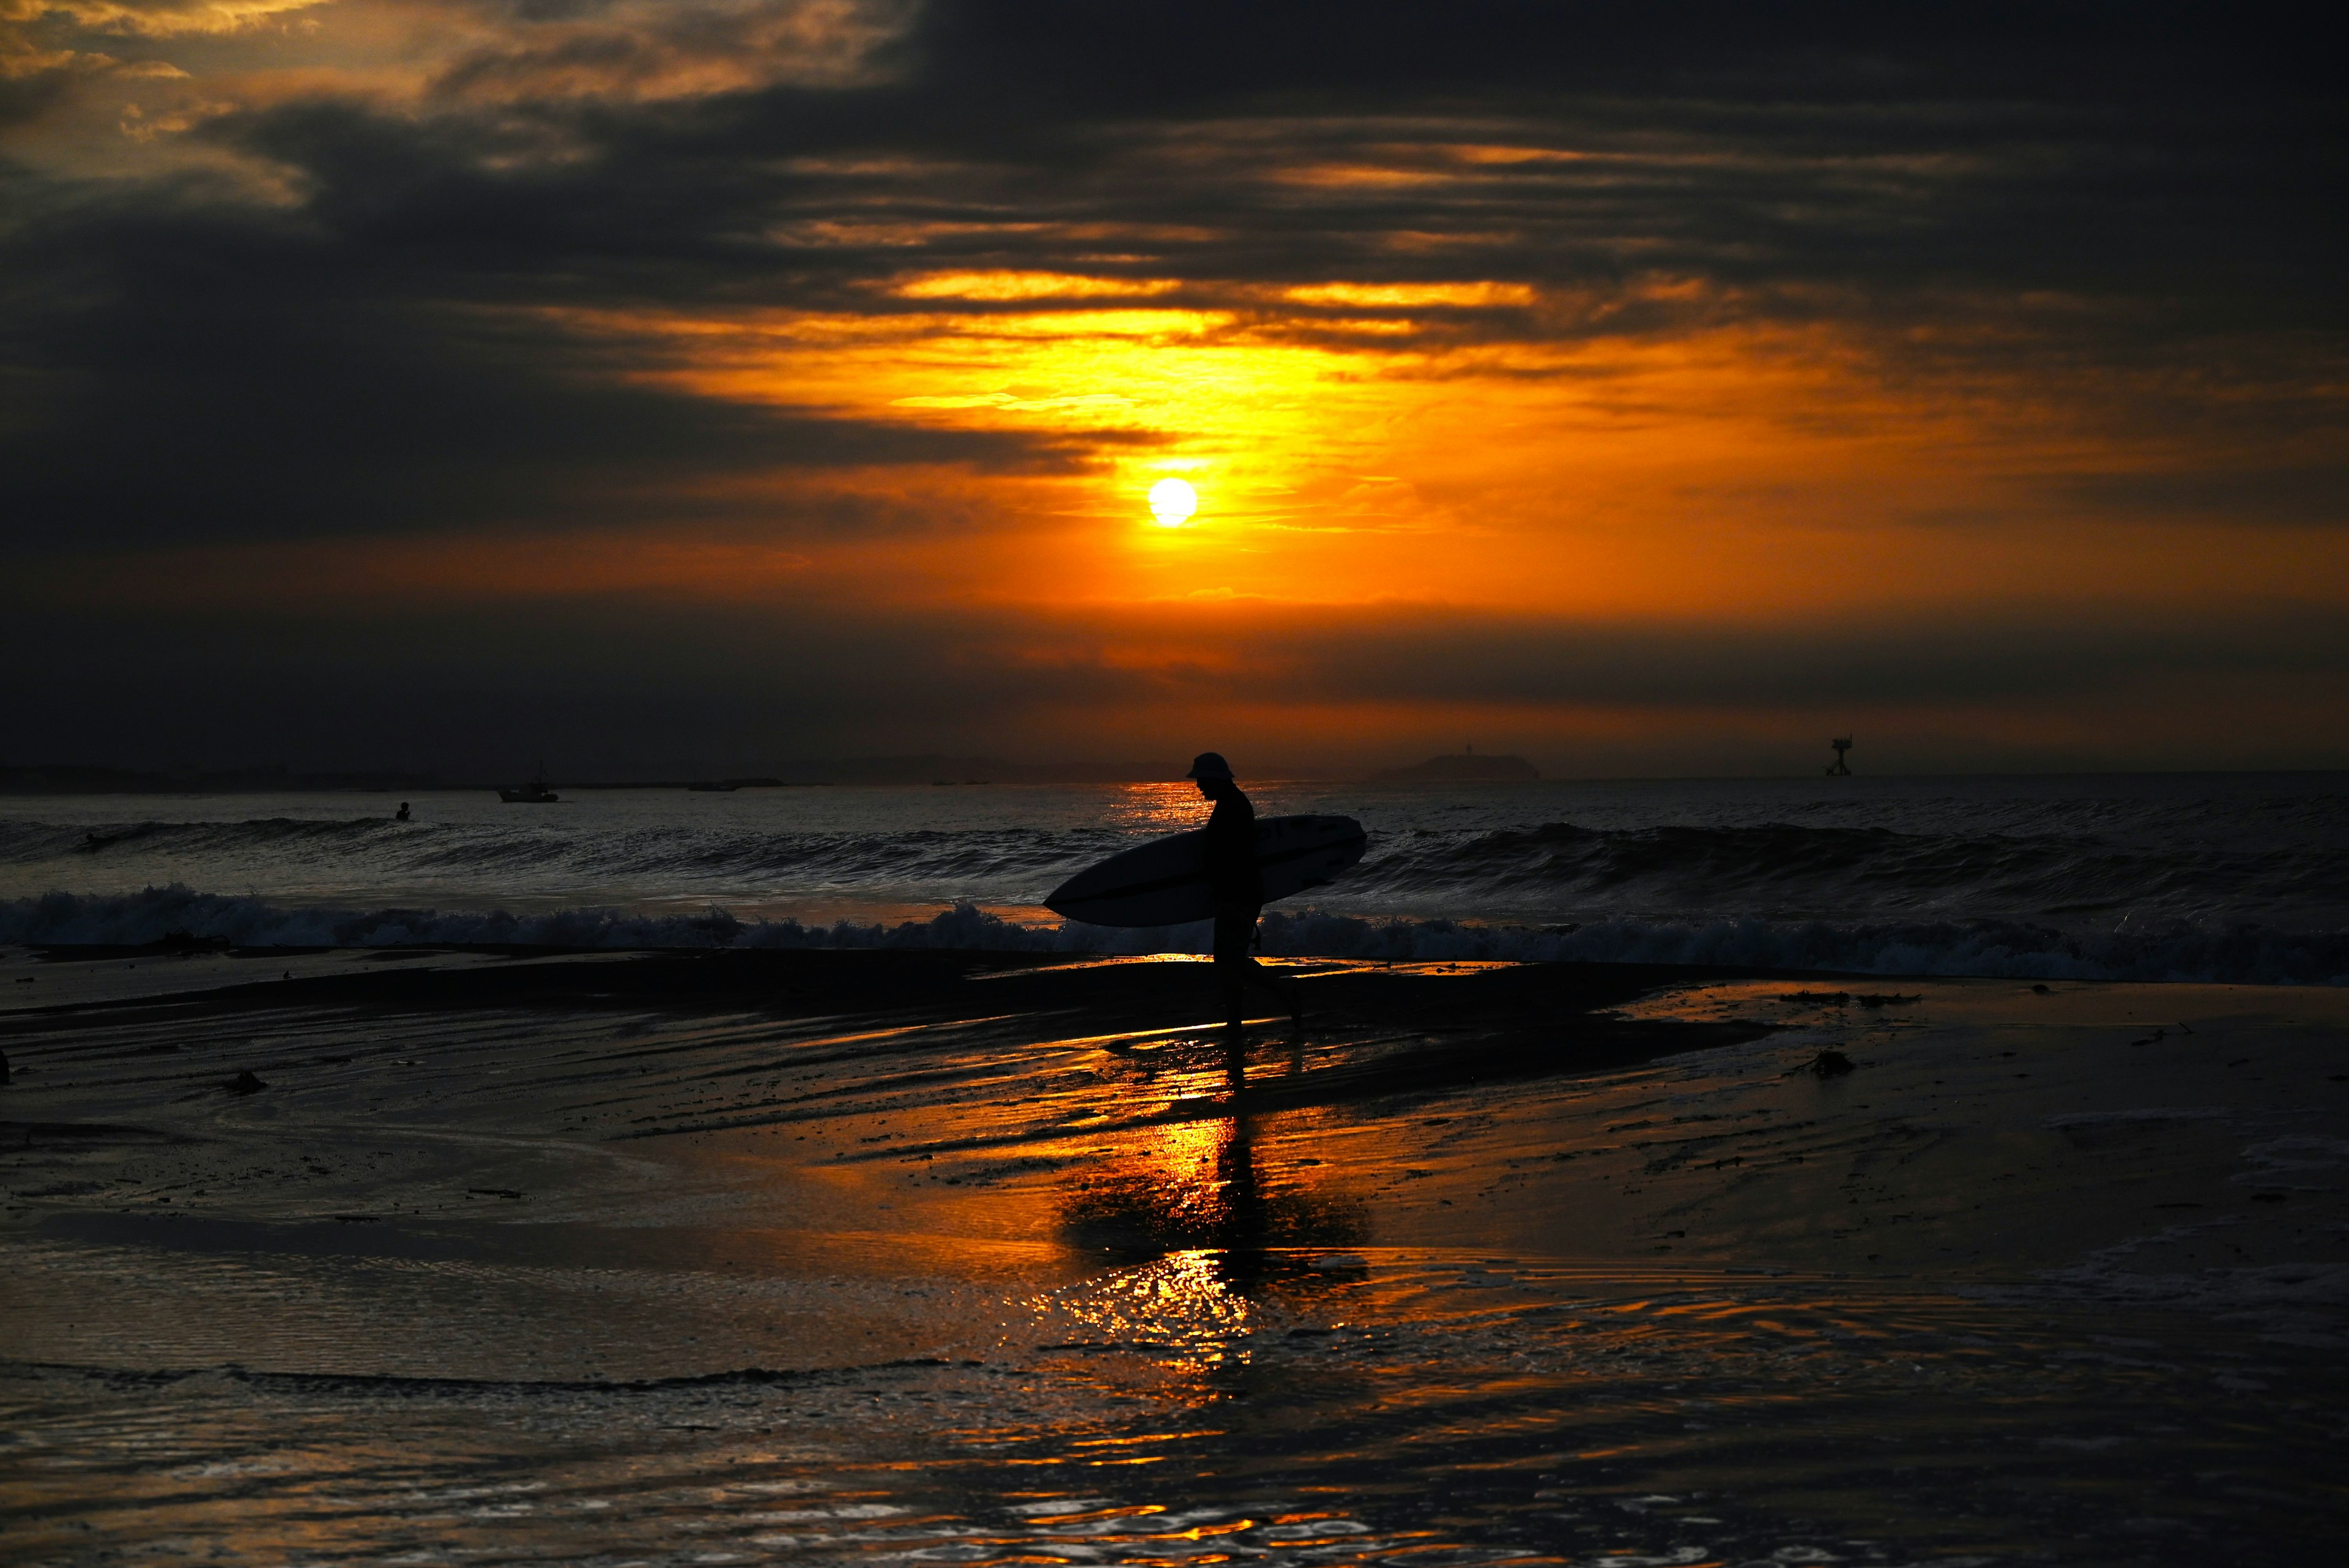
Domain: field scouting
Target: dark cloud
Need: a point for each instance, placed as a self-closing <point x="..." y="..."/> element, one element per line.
<point x="26" y="96"/>
<point x="2134" y="203"/>
<point x="2297" y="493"/>
<point x="2027" y="147"/>
<point x="194" y="371"/>
<point x="2055" y="185"/>
<point x="1176" y="56"/>
<point x="1244" y="654"/>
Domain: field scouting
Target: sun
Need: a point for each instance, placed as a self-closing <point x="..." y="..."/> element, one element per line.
<point x="1172" y="501"/>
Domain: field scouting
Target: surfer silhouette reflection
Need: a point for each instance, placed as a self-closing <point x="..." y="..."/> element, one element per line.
<point x="1236" y="885"/>
<point x="1201" y="1187"/>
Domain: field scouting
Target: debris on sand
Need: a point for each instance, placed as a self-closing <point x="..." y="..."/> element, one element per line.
<point x="244" y="1083"/>
<point x="1827" y="1064"/>
<point x="1845" y="999"/>
<point x="187" y="942"/>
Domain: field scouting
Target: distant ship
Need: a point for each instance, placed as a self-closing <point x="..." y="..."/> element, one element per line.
<point x="534" y="793"/>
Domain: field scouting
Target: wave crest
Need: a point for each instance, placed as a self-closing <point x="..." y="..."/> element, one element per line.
<point x="2236" y="953"/>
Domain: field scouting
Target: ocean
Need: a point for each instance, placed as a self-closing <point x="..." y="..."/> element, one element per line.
<point x="2204" y="877"/>
<point x="663" y="1179"/>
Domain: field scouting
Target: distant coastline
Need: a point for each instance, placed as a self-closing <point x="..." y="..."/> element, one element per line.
<point x="1464" y="767"/>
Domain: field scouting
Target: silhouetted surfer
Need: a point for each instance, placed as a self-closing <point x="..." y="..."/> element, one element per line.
<point x="401" y="815"/>
<point x="1236" y="887"/>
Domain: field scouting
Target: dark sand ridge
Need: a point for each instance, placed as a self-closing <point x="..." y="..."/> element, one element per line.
<point x="573" y="1171"/>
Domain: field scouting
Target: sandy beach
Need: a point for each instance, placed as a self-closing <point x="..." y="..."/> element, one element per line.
<point x="659" y="644"/>
<point x="646" y="1257"/>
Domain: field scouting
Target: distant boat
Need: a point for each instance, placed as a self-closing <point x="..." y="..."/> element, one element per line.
<point x="534" y="793"/>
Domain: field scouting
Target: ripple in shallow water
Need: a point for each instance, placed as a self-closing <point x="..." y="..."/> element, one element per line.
<point x="1431" y="1410"/>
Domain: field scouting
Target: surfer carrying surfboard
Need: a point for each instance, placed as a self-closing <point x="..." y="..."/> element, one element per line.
<point x="1236" y="883"/>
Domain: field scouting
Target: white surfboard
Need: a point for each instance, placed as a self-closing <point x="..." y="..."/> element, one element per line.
<point x="1164" y="881"/>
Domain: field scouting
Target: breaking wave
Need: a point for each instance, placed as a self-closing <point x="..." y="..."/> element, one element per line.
<point x="561" y="847"/>
<point x="2071" y="864"/>
<point x="2238" y="953"/>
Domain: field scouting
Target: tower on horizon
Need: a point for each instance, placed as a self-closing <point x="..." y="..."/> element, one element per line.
<point x="1841" y="770"/>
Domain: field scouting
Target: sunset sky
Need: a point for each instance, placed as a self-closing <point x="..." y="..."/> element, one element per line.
<point x="669" y="388"/>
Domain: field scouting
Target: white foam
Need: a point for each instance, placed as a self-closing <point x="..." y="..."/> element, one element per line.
<point x="1992" y="949"/>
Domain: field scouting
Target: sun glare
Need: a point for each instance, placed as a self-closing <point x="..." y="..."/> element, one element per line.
<point x="1172" y="501"/>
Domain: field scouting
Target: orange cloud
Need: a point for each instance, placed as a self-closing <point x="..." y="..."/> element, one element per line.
<point x="1741" y="472"/>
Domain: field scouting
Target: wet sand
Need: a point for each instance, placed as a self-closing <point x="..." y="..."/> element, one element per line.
<point x="748" y="1257"/>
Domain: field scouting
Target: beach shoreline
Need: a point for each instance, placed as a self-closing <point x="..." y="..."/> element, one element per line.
<point x="752" y="1183"/>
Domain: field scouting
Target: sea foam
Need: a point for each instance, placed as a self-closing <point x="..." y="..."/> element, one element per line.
<point x="2238" y="953"/>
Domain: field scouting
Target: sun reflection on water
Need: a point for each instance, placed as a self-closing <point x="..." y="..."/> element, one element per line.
<point x="1213" y="1245"/>
<point x="1180" y="1306"/>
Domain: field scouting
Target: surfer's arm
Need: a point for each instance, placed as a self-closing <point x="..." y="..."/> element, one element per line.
<point x="1230" y="854"/>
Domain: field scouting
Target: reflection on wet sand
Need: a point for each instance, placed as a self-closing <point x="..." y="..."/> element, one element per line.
<point x="1198" y="1190"/>
<point x="937" y="1258"/>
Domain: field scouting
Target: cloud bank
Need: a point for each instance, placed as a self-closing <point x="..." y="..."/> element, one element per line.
<point x="1617" y="375"/>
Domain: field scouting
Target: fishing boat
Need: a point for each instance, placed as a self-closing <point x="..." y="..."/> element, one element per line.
<point x="534" y="793"/>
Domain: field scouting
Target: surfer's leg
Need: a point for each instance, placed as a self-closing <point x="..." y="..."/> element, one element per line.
<point x="1234" y="927"/>
<point x="1280" y="984"/>
<point x="1237" y="968"/>
<point x="1280" y="988"/>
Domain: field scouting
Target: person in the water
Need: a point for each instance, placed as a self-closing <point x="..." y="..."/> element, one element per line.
<point x="1236" y="886"/>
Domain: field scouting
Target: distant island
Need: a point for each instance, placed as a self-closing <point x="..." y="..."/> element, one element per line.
<point x="1462" y="767"/>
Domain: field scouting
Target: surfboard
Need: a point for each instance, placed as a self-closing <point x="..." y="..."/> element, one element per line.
<point x="1164" y="881"/>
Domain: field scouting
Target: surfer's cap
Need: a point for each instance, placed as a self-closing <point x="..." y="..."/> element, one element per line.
<point x="1209" y="765"/>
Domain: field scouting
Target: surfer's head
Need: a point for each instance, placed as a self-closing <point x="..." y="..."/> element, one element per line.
<point x="1213" y="774"/>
